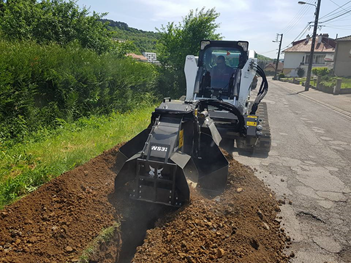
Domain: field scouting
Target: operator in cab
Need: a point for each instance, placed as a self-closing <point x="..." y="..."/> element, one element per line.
<point x="221" y="74"/>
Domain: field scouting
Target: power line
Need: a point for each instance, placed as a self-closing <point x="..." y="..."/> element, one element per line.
<point x="341" y="12"/>
<point x="334" y="12"/>
<point x="300" y="34"/>
<point x="268" y="51"/>
<point x="339" y="5"/>
<point x="336" y="16"/>
<point x="296" y="19"/>
<point x="293" y="19"/>
<point x="336" y="20"/>
<point x="340" y="28"/>
<point x="341" y="19"/>
<point x="303" y="31"/>
<point x="339" y="25"/>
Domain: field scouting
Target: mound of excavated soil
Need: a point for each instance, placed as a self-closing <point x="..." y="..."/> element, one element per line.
<point x="63" y="217"/>
<point x="59" y="220"/>
<point x="238" y="226"/>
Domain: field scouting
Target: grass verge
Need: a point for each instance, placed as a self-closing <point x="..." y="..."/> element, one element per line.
<point x="47" y="154"/>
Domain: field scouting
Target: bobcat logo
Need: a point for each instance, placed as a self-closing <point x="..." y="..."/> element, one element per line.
<point x="152" y="172"/>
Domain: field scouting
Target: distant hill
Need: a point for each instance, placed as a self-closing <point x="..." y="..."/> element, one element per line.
<point x="263" y="58"/>
<point x="143" y="40"/>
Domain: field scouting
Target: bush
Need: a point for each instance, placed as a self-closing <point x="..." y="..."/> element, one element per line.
<point x="281" y="75"/>
<point x="40" y="84"/>
<point x="328" y="83"/>
<point x="320" y="71"/>
<point x="300" y="72"/>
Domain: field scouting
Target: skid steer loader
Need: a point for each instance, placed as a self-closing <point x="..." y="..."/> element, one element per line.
<point x="183" y="138"/>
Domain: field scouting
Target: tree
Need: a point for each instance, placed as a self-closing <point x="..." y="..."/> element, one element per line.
<point x="179" y="40"/>
<point x="321" y="71"/>
<point x="54" y="21"/>
<point x="121" y="49"/>
<point x="300" y="72"/>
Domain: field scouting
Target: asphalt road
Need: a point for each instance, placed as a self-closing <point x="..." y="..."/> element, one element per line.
<point x="309" y="165"/>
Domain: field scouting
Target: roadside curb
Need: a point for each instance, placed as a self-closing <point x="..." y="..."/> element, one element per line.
<point x="335" y="109"/>
<point x="338" y="110"/>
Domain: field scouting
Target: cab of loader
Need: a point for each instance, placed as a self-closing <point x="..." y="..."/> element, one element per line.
<point x="219" y="69"/>
<point x="224" y="70"/>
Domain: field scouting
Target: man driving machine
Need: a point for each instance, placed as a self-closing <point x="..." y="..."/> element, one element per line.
<point x="221" y="74"/>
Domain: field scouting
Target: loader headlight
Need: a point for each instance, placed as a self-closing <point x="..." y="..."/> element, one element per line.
<point x="259" y="127"/>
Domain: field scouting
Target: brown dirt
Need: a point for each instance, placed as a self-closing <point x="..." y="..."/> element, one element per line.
<point x="238" y="226"/>
<point x="62" y="218"/>
<point x="59" y="220"/>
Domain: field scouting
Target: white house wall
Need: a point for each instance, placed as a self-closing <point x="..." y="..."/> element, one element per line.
<point x="293" y="60"/>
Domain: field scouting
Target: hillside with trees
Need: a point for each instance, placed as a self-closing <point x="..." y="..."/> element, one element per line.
<point x="144" y="41"/>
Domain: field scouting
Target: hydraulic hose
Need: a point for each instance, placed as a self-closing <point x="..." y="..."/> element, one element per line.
<point x="262" y="91"/>
<point x="224" y="106"/>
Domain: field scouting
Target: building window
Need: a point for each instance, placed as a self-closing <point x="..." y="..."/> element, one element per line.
<point x="317" y="59"/>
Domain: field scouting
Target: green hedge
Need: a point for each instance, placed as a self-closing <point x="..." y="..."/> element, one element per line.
<point x="40" y="85"/>
<point x="321" y="71"/>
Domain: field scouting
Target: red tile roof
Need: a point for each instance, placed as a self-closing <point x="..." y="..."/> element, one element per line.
<point x="280" y="65"/>
<point x="327" y="45"/>
<point x="138" y="57"/>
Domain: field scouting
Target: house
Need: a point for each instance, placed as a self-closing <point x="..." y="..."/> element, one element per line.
<point x="298" y="55"/>
<point x="137" y="57"/>
<point x="270" y="68"/>
<point x="151" y="56"/>
<point x="342" y="58"/>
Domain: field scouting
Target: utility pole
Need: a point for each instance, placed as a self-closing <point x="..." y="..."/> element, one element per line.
<point x="277" y="62"/>
<point x="309" y="69"/>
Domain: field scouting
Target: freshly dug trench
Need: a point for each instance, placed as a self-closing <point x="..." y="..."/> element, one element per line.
<point x="237" y="226"/>
<point x="137" y="218"/>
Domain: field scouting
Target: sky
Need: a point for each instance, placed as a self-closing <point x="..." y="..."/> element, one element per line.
<point x="256" y="21"/>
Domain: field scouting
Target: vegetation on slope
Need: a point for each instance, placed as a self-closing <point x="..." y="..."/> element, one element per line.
<point x="143" y="41"/>
<point x="263" y="58"/>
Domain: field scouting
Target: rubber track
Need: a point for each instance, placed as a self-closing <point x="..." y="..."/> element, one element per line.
<point x="264" y="143"/>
